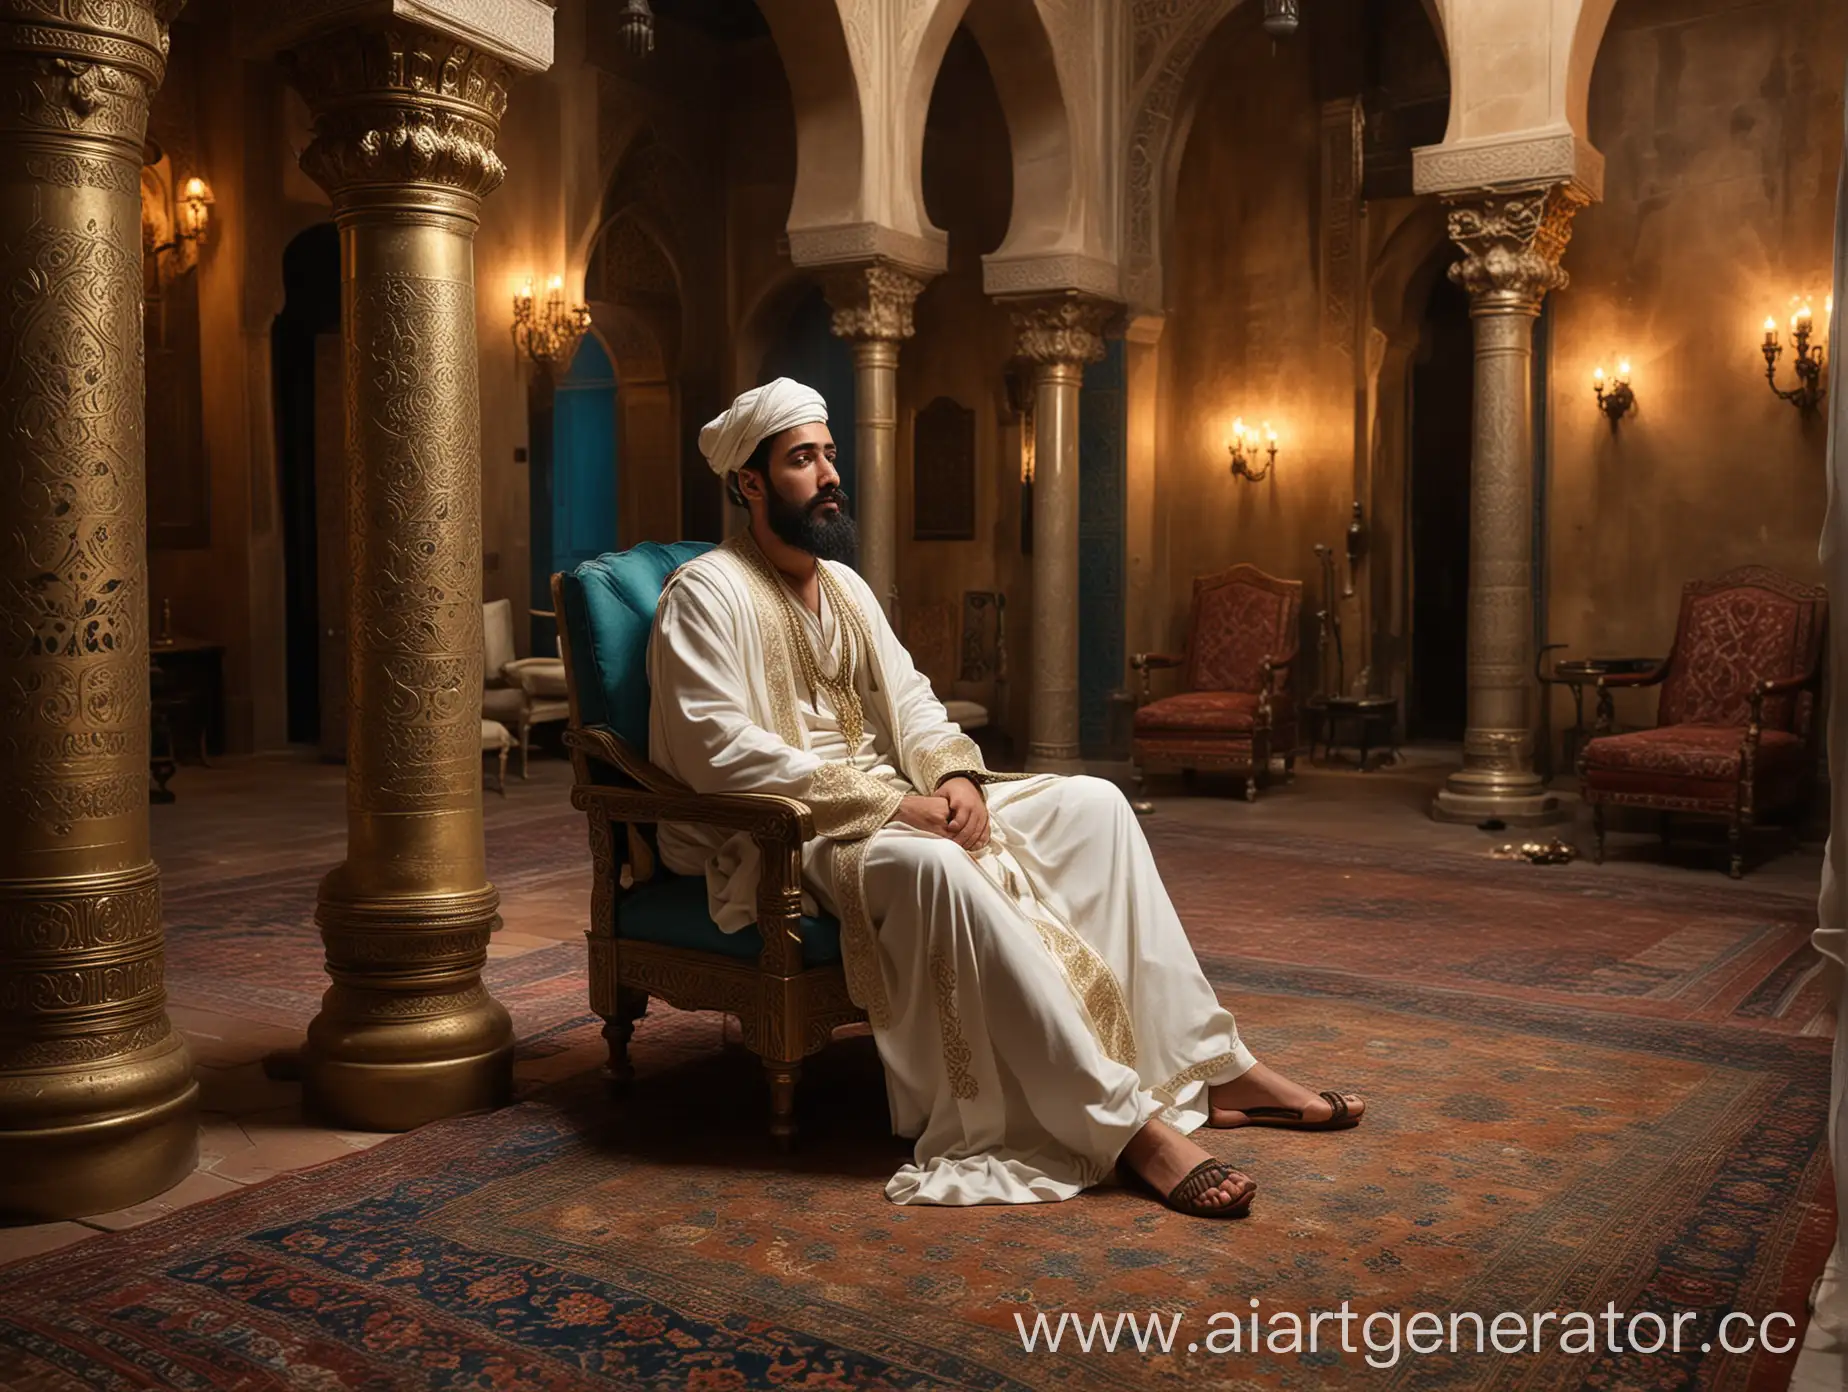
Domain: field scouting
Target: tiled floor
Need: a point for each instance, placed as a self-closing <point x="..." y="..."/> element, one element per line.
<point x="247" y="814"/>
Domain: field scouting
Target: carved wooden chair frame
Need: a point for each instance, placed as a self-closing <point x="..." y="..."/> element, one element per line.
<point x="1741" y="813"/>
<point x="785" y="1010"/>
<point x="1276" y="674"/>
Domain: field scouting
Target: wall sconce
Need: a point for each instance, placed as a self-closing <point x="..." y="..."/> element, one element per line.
<point x="1614" y="399"/>
<point x="1281" y="17"/>
<point x="1807" y="395"/>
<point x="547" y="332"/>
<point x="195" y="209"/>
<point x="1244" y="447"/>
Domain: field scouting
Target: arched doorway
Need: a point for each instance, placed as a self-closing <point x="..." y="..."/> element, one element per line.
<point x="1438" y="447"/>
<point x="310" y="445"/>
<point x="573" y="502"/>
<point x="808" y="351"/>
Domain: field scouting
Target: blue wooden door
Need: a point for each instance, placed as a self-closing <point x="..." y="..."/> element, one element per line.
<point x="584" y="459"/>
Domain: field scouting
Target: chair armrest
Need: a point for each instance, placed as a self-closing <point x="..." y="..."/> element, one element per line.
<point x="767" y="816"/>
<point x="664" y="798"/>
<point x="1761" y="691"/>
<point x="779" y="825"/>
<point x="1145" y="663"/>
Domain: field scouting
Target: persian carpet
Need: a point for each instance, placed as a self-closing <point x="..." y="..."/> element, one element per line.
<point x="1585" y="1091"/>
<point x="1517" y="1157"/>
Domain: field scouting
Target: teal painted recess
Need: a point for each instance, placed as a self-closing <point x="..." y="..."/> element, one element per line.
<point x="1103" y="462"/>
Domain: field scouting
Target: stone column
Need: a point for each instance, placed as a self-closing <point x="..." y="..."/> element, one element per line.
<point x="872" y="310"/>
<point x="97" y="1101"/>
<point x="1511" y="243"/>
<point x="405" y="123"/>
<point x="1058" y="336"/>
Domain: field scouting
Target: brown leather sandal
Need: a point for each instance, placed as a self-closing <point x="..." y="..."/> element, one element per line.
<point x="1341" y="1118"/>
<point x="1209" y="1174"/>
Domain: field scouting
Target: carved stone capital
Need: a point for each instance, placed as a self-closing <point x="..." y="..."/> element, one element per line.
<point x="84" y="67"/>
<point x="400" y="105"/>
<point x="1512" y="241"/>
<point x="1065" y="329"/>
<point x="871" y="301"/>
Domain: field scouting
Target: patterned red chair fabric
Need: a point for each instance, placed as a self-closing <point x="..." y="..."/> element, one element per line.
<point x="1737" y="712"/>
<point x="1237" y="703"/>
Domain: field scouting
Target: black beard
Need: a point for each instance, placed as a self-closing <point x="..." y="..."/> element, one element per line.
<point x="801" y="525"/>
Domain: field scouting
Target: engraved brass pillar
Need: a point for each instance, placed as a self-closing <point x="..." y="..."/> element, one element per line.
<point x="97" y="1101"/>
<point x="1058" y="336"/>
<point x="872" y="310"/>
<point x="405" y="123"/>
<point x="1512" y="243"/>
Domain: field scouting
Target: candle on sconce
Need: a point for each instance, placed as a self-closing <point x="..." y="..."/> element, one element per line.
<point x="1770" y="332"/>
<point x="1597" y="376"/>
<point x="1270" y="434"/>
<point x="1623" y="372"/>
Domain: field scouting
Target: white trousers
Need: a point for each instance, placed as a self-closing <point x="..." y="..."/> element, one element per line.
<point x="1044" y="1000"/>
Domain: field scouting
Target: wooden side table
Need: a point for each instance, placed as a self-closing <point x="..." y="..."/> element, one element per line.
<point x="1374" y="719"/>
<point x="186" y="697"/>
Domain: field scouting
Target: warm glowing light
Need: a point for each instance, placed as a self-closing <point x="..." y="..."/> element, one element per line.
<point x="1270" y="434"/>
<point x="195" y="187"/>
<point x="1623" y="370"/>
<point x="1597" y="374"/>
<point x="555" y="283"/>
<point x="526" y="289"/>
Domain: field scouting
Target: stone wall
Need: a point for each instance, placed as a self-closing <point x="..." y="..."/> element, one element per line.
<point x="1721" y="125"/>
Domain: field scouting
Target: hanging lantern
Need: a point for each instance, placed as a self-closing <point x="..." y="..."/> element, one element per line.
<point x="1281" y="17"/>
<point x="636" y="24"/>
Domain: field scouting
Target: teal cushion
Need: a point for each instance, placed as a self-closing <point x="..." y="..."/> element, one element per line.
<point x="670" y="910"/>
<point x="608" y="609"/>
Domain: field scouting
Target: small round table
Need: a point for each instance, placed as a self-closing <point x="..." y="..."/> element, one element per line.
<point x="1374" y="716"/>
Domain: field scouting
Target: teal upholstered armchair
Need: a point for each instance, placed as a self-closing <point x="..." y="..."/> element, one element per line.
<point x="650" y="932"/>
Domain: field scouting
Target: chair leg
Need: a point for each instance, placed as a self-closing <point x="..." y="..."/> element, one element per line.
<point x="782" y="1077"/>
<point x="618" y="1029"/>
<point x="1251" y="786"/>
<point x="1597" y="832"/>
<point x="500" y="782"/>
<point x="1735" y="848"/>
<point x="526" y="745"/>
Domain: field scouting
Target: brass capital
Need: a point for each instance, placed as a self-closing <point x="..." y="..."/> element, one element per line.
<point x="871" y="301"/>
<point x="400" y="105"/>
<point x="1064" y="329"/>
<point x="1513" y="241"/>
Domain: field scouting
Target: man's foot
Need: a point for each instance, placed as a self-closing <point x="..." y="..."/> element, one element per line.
<point x="1185" y="1176"/>
<point x="1264" y="1097"/>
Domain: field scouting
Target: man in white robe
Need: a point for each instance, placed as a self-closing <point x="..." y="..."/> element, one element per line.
<point x="1035" y="1001"/>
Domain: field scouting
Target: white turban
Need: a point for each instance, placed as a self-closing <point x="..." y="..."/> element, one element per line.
<point x="728" y="439"/>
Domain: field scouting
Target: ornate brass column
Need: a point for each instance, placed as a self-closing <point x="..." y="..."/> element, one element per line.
<point x="872" y="310"/>
<point x="1058" y="336"/>
<point x="97" y="1101"/>
<point x="1512" y="243"/>
<point x="405" y="123"/>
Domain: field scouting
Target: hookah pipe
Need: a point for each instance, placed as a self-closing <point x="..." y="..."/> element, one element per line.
<point x="1328" y="621"/>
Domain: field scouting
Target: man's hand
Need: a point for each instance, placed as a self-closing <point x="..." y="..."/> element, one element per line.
<point x="968" y="823"/>
<point x="930" y="814"/>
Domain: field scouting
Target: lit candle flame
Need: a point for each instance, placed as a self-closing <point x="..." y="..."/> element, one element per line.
<point x="1270" y="434"/>
<point x="1597" y="375"/>
<point x="1623" y="370"/>
<point x="195" y="187"/>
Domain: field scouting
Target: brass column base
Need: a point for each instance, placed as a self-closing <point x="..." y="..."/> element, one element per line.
<point x="1518" y="804"/>
<point x="407" y="1033"/>
<point x="136" y="1135"/>
<point x="402" y="1096"/>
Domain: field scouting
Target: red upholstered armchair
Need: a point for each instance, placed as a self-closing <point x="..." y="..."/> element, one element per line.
<point x="1738" y="708"/>
<point x="1237" y="702"/>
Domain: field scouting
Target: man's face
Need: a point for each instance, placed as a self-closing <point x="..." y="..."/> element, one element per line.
<point x="804" y="503"/>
